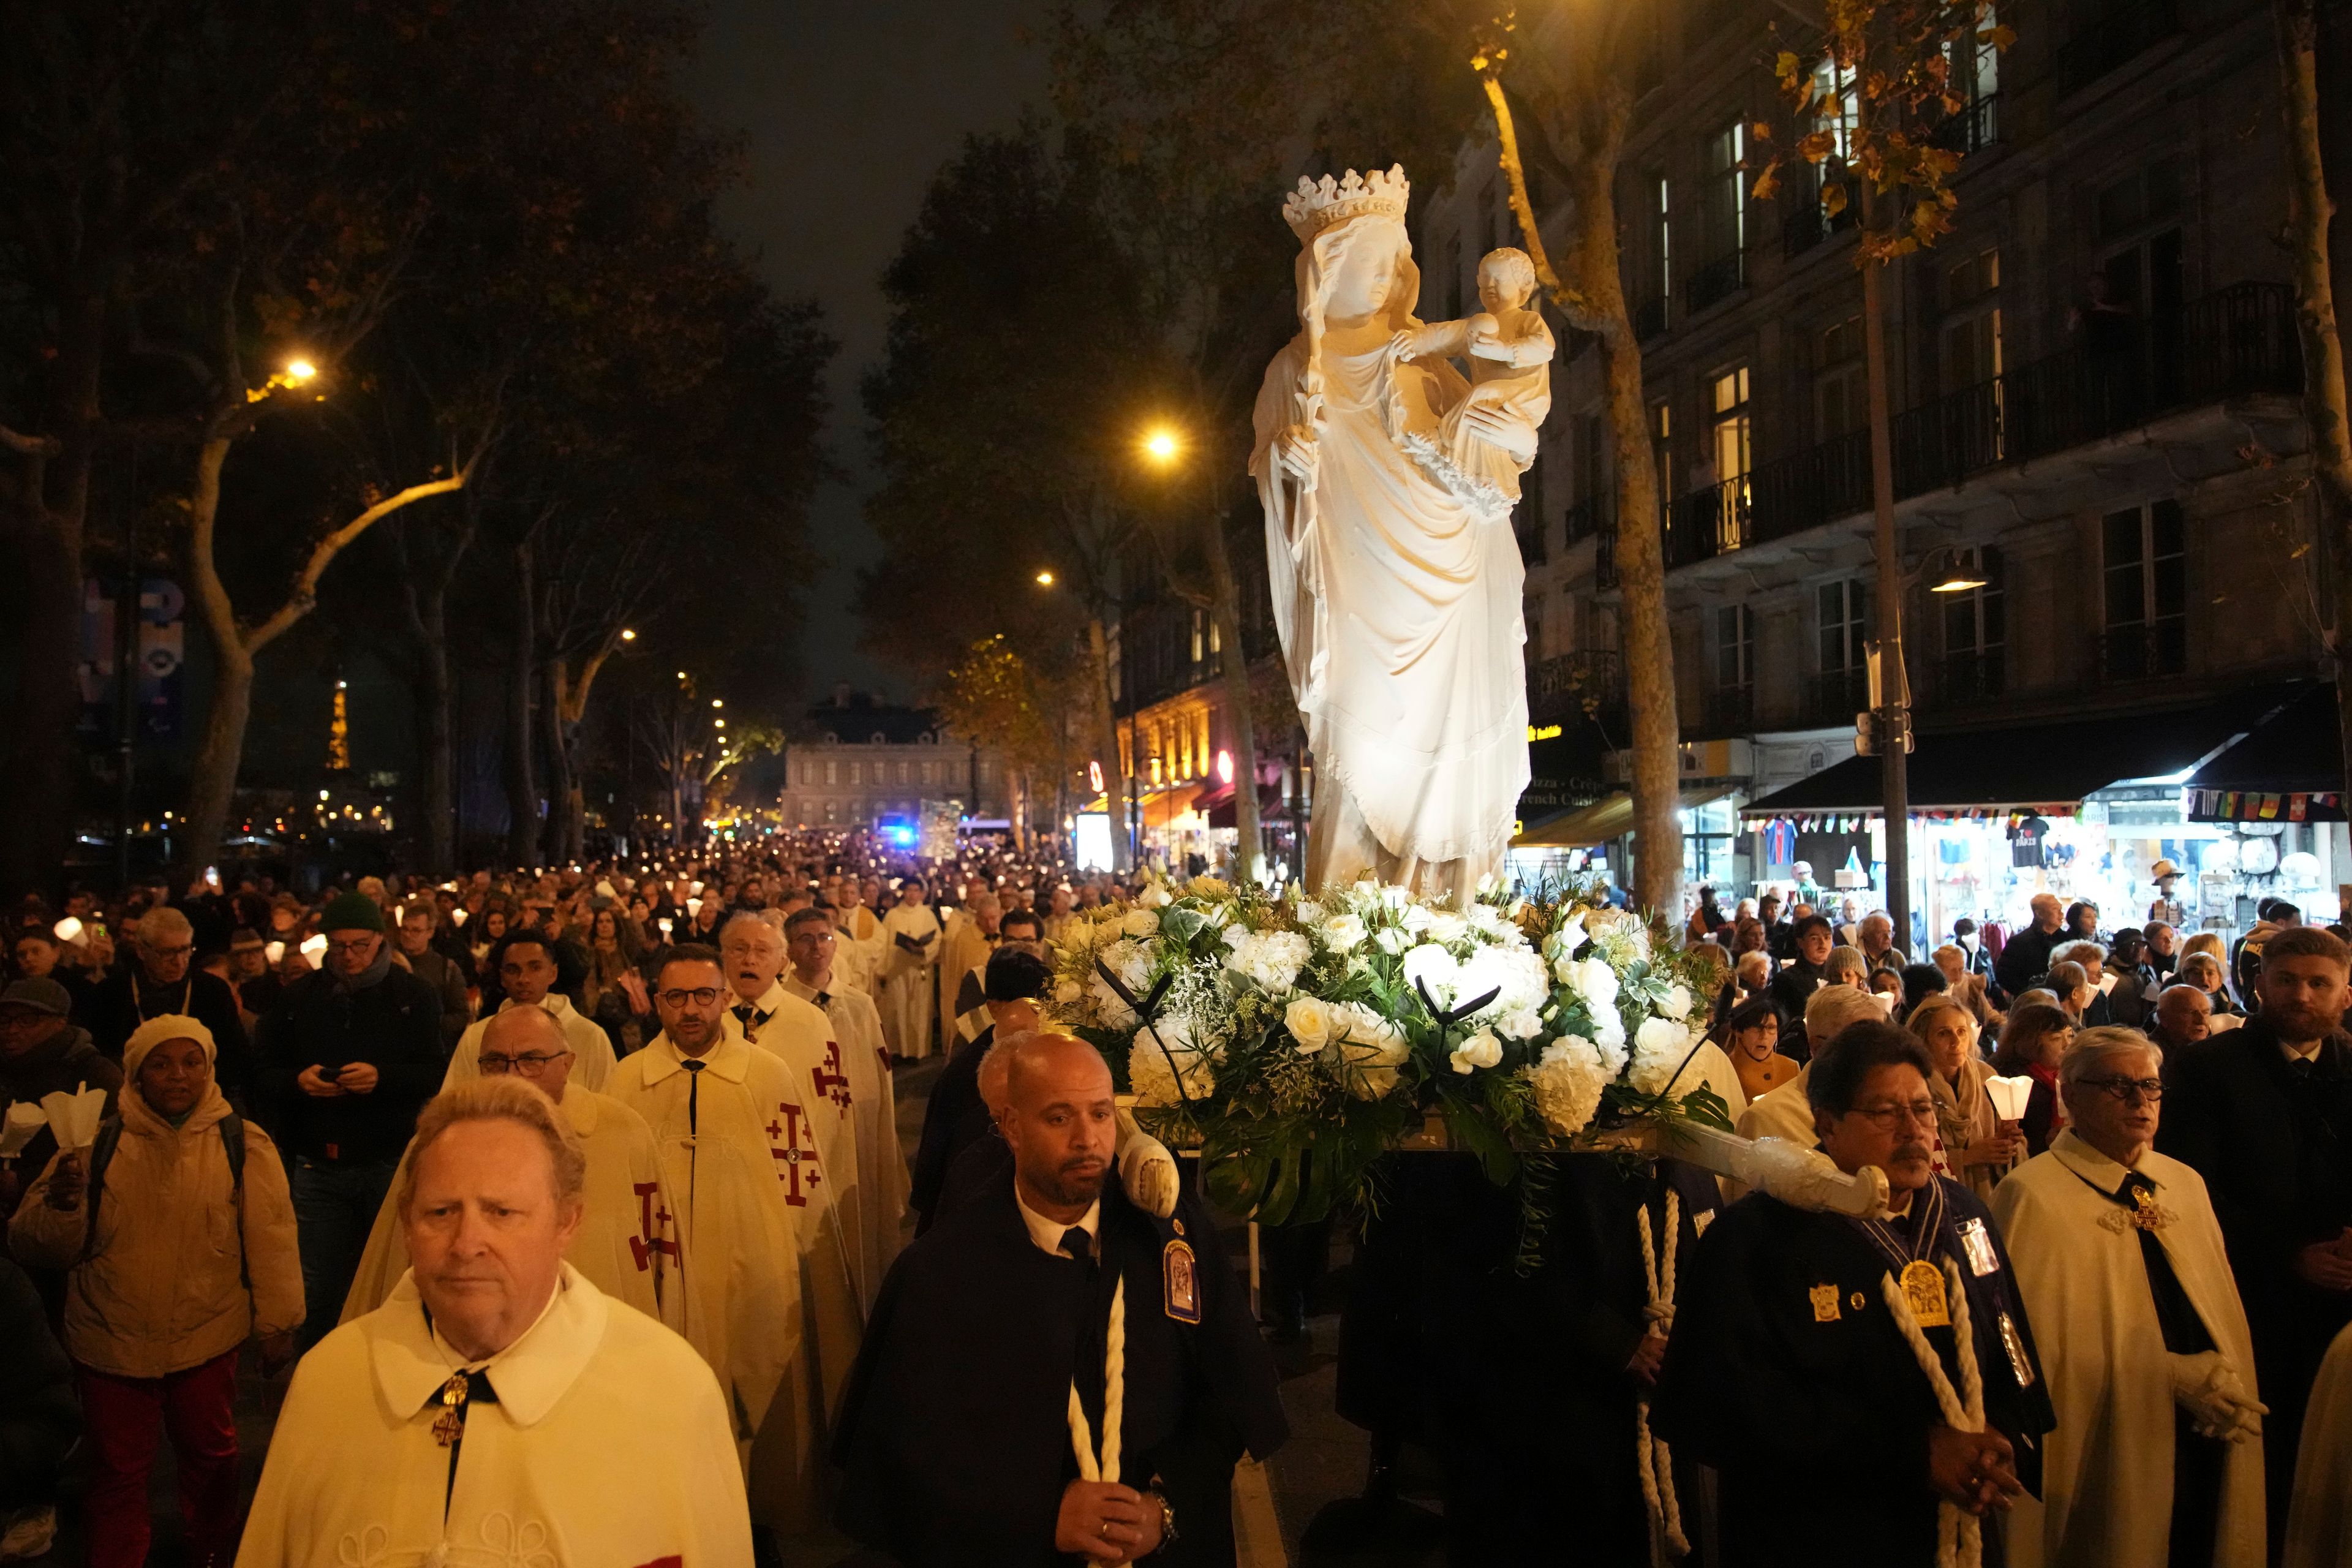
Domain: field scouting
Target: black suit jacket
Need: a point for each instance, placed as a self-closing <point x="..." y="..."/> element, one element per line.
<point x="2276" y="1156"/>
<point x="954" y="1430"/>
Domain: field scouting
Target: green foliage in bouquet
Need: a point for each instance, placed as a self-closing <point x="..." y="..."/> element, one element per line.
<point x="1293" y="1041"/>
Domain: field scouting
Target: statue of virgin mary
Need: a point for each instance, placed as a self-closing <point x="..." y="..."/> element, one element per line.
<point x="1396" y="597"/>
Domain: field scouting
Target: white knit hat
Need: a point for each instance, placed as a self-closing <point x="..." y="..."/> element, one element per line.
<point x="156" y="1030"/>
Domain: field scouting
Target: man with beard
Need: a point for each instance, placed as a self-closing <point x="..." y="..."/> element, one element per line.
<point x="996" y="1323"/>
<point x="2264" y="1114"/>
<point x="1815" y="1359"/>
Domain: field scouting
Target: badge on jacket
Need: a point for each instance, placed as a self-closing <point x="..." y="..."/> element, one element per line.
<point x="1180" y="1282"/>
<point x="1982" y="1259"/>
<point x="1825" y="1305"/>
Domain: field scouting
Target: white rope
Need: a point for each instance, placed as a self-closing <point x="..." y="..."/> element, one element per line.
<point x="1082" y="1436"/>
<point x="1959" y="1535"/>
<point x="1651" y="1458"/>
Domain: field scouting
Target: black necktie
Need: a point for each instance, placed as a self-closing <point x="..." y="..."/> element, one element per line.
<point x="824" y="998"/>
<point x="693" y="1093"/>
<point x="1078" y="1243"/>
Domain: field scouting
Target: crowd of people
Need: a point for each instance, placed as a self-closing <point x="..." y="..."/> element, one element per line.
<point x="577" y="1205"/>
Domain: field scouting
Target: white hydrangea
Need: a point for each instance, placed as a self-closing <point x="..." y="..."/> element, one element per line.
<point x="1272" y="958"/>
<point x="1568" y="1080"/>
<point x="1431" y="968"/>
<point x="1156" y="1058"/>
<point x="1514" y="974"/>
<point x="1522" y="1024"/>
<point x="1659" y="1047"/>
<point x="1370" y="1050"/>
<point x="1480" y="1050"/>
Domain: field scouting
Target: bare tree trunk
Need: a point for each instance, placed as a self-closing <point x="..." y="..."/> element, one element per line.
<point x="1894" y="765"/>
<point x="564" y="803"/>
<point x="522" y="791"/>
<point x="1107" y="737"/>
<point x="1249" y="865"/>
<point x="428" y="615"/>
<point x="212" y="785"/>
<point x="2325" y="405"/>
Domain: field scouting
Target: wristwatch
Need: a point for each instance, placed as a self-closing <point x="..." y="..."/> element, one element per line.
<point x="1167" y="1518"/>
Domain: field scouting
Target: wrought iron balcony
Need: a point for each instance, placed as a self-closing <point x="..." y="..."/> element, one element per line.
<point x="2235" y="342"/>
<point x="1969" y="677"/>
<point x="2123" y="30"/>
<point x="1718" y="281"/>
<point x="1973" y="129"/>
<point x="2149" y="651"/>
<point x="1591" y="683"/>
<point x="1835" y="696"/>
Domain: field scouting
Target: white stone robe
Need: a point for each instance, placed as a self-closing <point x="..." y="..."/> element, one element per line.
<point x="740" y="1160"/>
<point x="2106" y="1470"/>
<point x="877" y="1230"/>
<point x="591" y="1048"/>
<point x="627" y="1244"/>
<point x="608" y="1448"/>
<point x="906" y="1000"/>
<point x="2319" y="1524"/>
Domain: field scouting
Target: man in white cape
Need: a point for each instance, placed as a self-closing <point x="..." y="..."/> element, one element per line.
<point x="526" y="967"/>
<point x="626" y="1243"/>
<point x="738" y="1154"/>
<point x="911" y="936"/>
<point x="2157" y="1453"/>
<point x="498" y="1408"/>
<point x="878" y="1228"/>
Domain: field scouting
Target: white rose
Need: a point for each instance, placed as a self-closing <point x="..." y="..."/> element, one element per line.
<point x="1676" y="1003"/>
<point x="1343" y="932"/>
<point x="1597" y="984"/>
<point x="1392" y="941"/>
<point x="1310" y="1021"/>
<point x="1609" y="1038"/>
<point x="1521" y="1025"/>
<point x="1570" y="935"/>
<point x="1444" y="926"/>
<point x="1480" y="1050"/>
<point x="1141" y="922"/>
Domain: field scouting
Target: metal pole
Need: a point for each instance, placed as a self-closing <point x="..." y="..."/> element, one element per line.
<point x="126" y="685"/>
<point x="1893" y="717"/>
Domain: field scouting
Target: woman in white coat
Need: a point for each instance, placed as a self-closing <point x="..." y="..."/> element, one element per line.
<point x="2157" y="1455"/>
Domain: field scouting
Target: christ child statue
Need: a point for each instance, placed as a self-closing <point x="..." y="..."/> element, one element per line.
<point x="1489" y="437"/>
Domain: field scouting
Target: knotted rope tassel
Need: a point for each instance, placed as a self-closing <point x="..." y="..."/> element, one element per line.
<point x="1082" y="1438"/>
<point x="1959" y="1535"/>
<point x="1651" y="1458"/>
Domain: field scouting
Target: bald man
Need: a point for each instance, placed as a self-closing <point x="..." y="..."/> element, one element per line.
<point x="990" y="1318"/>
<point x="628" y="1243"/>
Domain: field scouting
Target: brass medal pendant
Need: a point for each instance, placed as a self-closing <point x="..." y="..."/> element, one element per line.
<point x="1923" y="1289"/>
<point x="450" y="1424"/>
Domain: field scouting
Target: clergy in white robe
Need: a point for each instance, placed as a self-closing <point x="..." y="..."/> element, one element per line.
<point x="740" y="1159"/>
<point x="498" y="1408"/>
<point x="627" y="1241"/>
<point x="970" y="938"/>
<point x="861" y="941"/>
<point x="526" y="968"/>
<point x="2319" y="1525"/>
<point x="2158" y="1454"/>
<point x="911" y="936"/>
<point x="878" y="1228"/>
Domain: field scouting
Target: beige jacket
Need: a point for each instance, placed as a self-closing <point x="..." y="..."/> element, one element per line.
<point x="1964" y="1118"/>
<point x="162" y="1290"/>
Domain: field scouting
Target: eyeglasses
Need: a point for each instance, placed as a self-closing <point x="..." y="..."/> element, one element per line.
<point x="180" y="952"/>
<point x="2127" y="1089"/>
<point x="361" y="945"/>
<point x="530" y="1062"/>
<point x="701" y="996"/>
<point x="1889" y="1118"/>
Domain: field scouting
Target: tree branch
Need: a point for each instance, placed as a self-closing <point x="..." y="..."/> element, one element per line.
<point x="305" y="597"/>
<point x="29" y="445"/>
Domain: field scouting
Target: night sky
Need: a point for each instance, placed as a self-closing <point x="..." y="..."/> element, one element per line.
<point x="848" y="107"/>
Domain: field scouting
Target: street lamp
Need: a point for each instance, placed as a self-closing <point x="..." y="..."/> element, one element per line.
<point x="628" y="636"/>
<point x="1044" y="579"/>
<point x="300" y="370"/>
<point x="1161" y="444"/>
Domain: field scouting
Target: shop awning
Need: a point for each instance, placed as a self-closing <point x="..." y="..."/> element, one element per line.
<point x="1217" y="805"/>
<point x="2050" y="764"/>
<point x="1609" y="818"/>
<point x="2289" y="767"/>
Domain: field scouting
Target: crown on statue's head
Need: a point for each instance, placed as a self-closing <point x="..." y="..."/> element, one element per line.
<point x="1317" y="205"/>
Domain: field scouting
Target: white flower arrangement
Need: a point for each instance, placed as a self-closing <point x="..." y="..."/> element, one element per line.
<point x="1346" y="1020"/>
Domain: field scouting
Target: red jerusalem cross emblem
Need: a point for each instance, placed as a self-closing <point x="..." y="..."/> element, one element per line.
<point x="831" y="1083"/>
<point x="799" y="1163"/>
<point x="650" y="1240"/>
